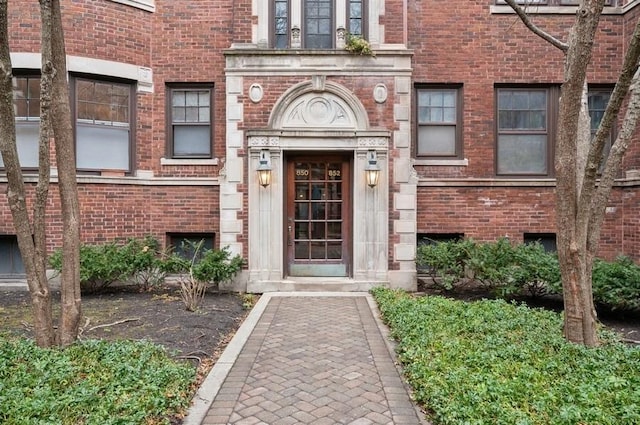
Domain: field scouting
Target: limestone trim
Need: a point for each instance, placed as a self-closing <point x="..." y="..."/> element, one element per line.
<point x="148" y="5"/>
<point x="142" y="74"/>
<point x="304" y="106"/>
<point x="561" y="10"/>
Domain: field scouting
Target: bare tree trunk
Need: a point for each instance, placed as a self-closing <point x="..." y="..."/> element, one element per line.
<point x="65" y="160"/>
<point x="581" y="195"/>
<point x="34" y="265"/>
<point x="575" y="261"/>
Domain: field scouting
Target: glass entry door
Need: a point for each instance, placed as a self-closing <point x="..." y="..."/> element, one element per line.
<point x="318" y="223"/>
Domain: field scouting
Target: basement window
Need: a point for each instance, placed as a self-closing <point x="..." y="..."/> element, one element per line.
<point x="10" y="259"/>
<point x="547" y="240"/>
<point x="184" y="244"/>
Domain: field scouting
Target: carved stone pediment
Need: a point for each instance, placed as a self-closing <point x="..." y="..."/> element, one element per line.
<point x="318" y="111"/>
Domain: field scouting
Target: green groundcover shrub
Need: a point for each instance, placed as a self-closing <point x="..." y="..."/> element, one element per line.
<point x="143" y="263"/>
<point x="616" y="284"/>
<point x="101" y="265"/>
<point x="491" y="362"/>
<point x="91" y="382"/>
<point x="512" y="269"/>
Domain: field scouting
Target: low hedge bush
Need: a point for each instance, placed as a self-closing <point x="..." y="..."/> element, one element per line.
<point x="142" y="262"/>
<point x="491" y="362"/>
<point x="510" y="270"/>
<point x="616" y="284"/>
<point x="92" y="383"/>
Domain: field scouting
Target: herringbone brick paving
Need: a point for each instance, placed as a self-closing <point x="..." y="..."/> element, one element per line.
<point x="314" y="360"/>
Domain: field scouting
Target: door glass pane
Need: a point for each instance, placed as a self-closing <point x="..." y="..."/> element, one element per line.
<point x="317" y="191"/>
<point x="318" y="230"/>
<point x="302" y="231"/>
<point x="302" y="211"/>
<point x="318" y="251"/>
<point x="317" y="172"/>
<point x="302" y="191"/>
<point x="334" y="230"/>
<point x="334" y="211"/>
<point x="334" y="250"/>
<point x="302" y="171"/>
<point x="6" y="265"/>
<point x="334" y="172"/>
<point x="317" y="211"/>
<point x="335" y="191"/>
<point x="301" y="250"/>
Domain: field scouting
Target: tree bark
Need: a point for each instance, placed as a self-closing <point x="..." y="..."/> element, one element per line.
<point x="65" y="160"/>
<point x="574" y="258"/>
<point x="581" y="194"/>
<point x="30" y="247"/>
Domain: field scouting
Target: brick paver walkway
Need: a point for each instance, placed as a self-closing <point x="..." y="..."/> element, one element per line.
<point x="314" y="360"/>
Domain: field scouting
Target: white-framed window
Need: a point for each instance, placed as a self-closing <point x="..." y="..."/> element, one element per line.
<point x="104" y="123"/>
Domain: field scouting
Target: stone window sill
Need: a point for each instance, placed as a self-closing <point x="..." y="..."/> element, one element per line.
<point x="148" y="5"/>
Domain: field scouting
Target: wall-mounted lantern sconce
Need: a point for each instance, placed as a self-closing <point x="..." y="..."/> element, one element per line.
<point x="372" y="169"/>
<point x="264" y="169"/>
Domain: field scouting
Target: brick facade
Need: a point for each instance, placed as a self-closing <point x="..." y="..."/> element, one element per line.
<point x="476" y="46"/>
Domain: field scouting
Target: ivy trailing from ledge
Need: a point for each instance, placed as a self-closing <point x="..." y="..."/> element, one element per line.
<point x="357" y="45"/>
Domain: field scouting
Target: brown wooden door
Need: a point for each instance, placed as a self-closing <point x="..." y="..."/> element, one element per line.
<point x="318" y="222"/>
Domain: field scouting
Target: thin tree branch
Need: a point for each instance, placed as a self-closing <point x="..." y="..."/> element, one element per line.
<point x="593" y="196"/>
<point x="522" y="14"/>
<point x="119" y="322"/>
<point x="614" y="161"/>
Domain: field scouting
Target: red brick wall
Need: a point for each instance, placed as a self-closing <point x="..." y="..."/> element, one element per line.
<point x="486" y="214"/>
<point x="111" y="212"/>
<point x="465" y="43"/>
<point x="188" y="48"/>
<point x="460" y="42"/>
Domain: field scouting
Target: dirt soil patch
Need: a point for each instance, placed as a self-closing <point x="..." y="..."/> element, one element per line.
<point x="158" y="316"/>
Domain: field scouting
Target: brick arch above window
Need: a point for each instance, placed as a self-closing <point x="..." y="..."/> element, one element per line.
<point x="317" y="104"/>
